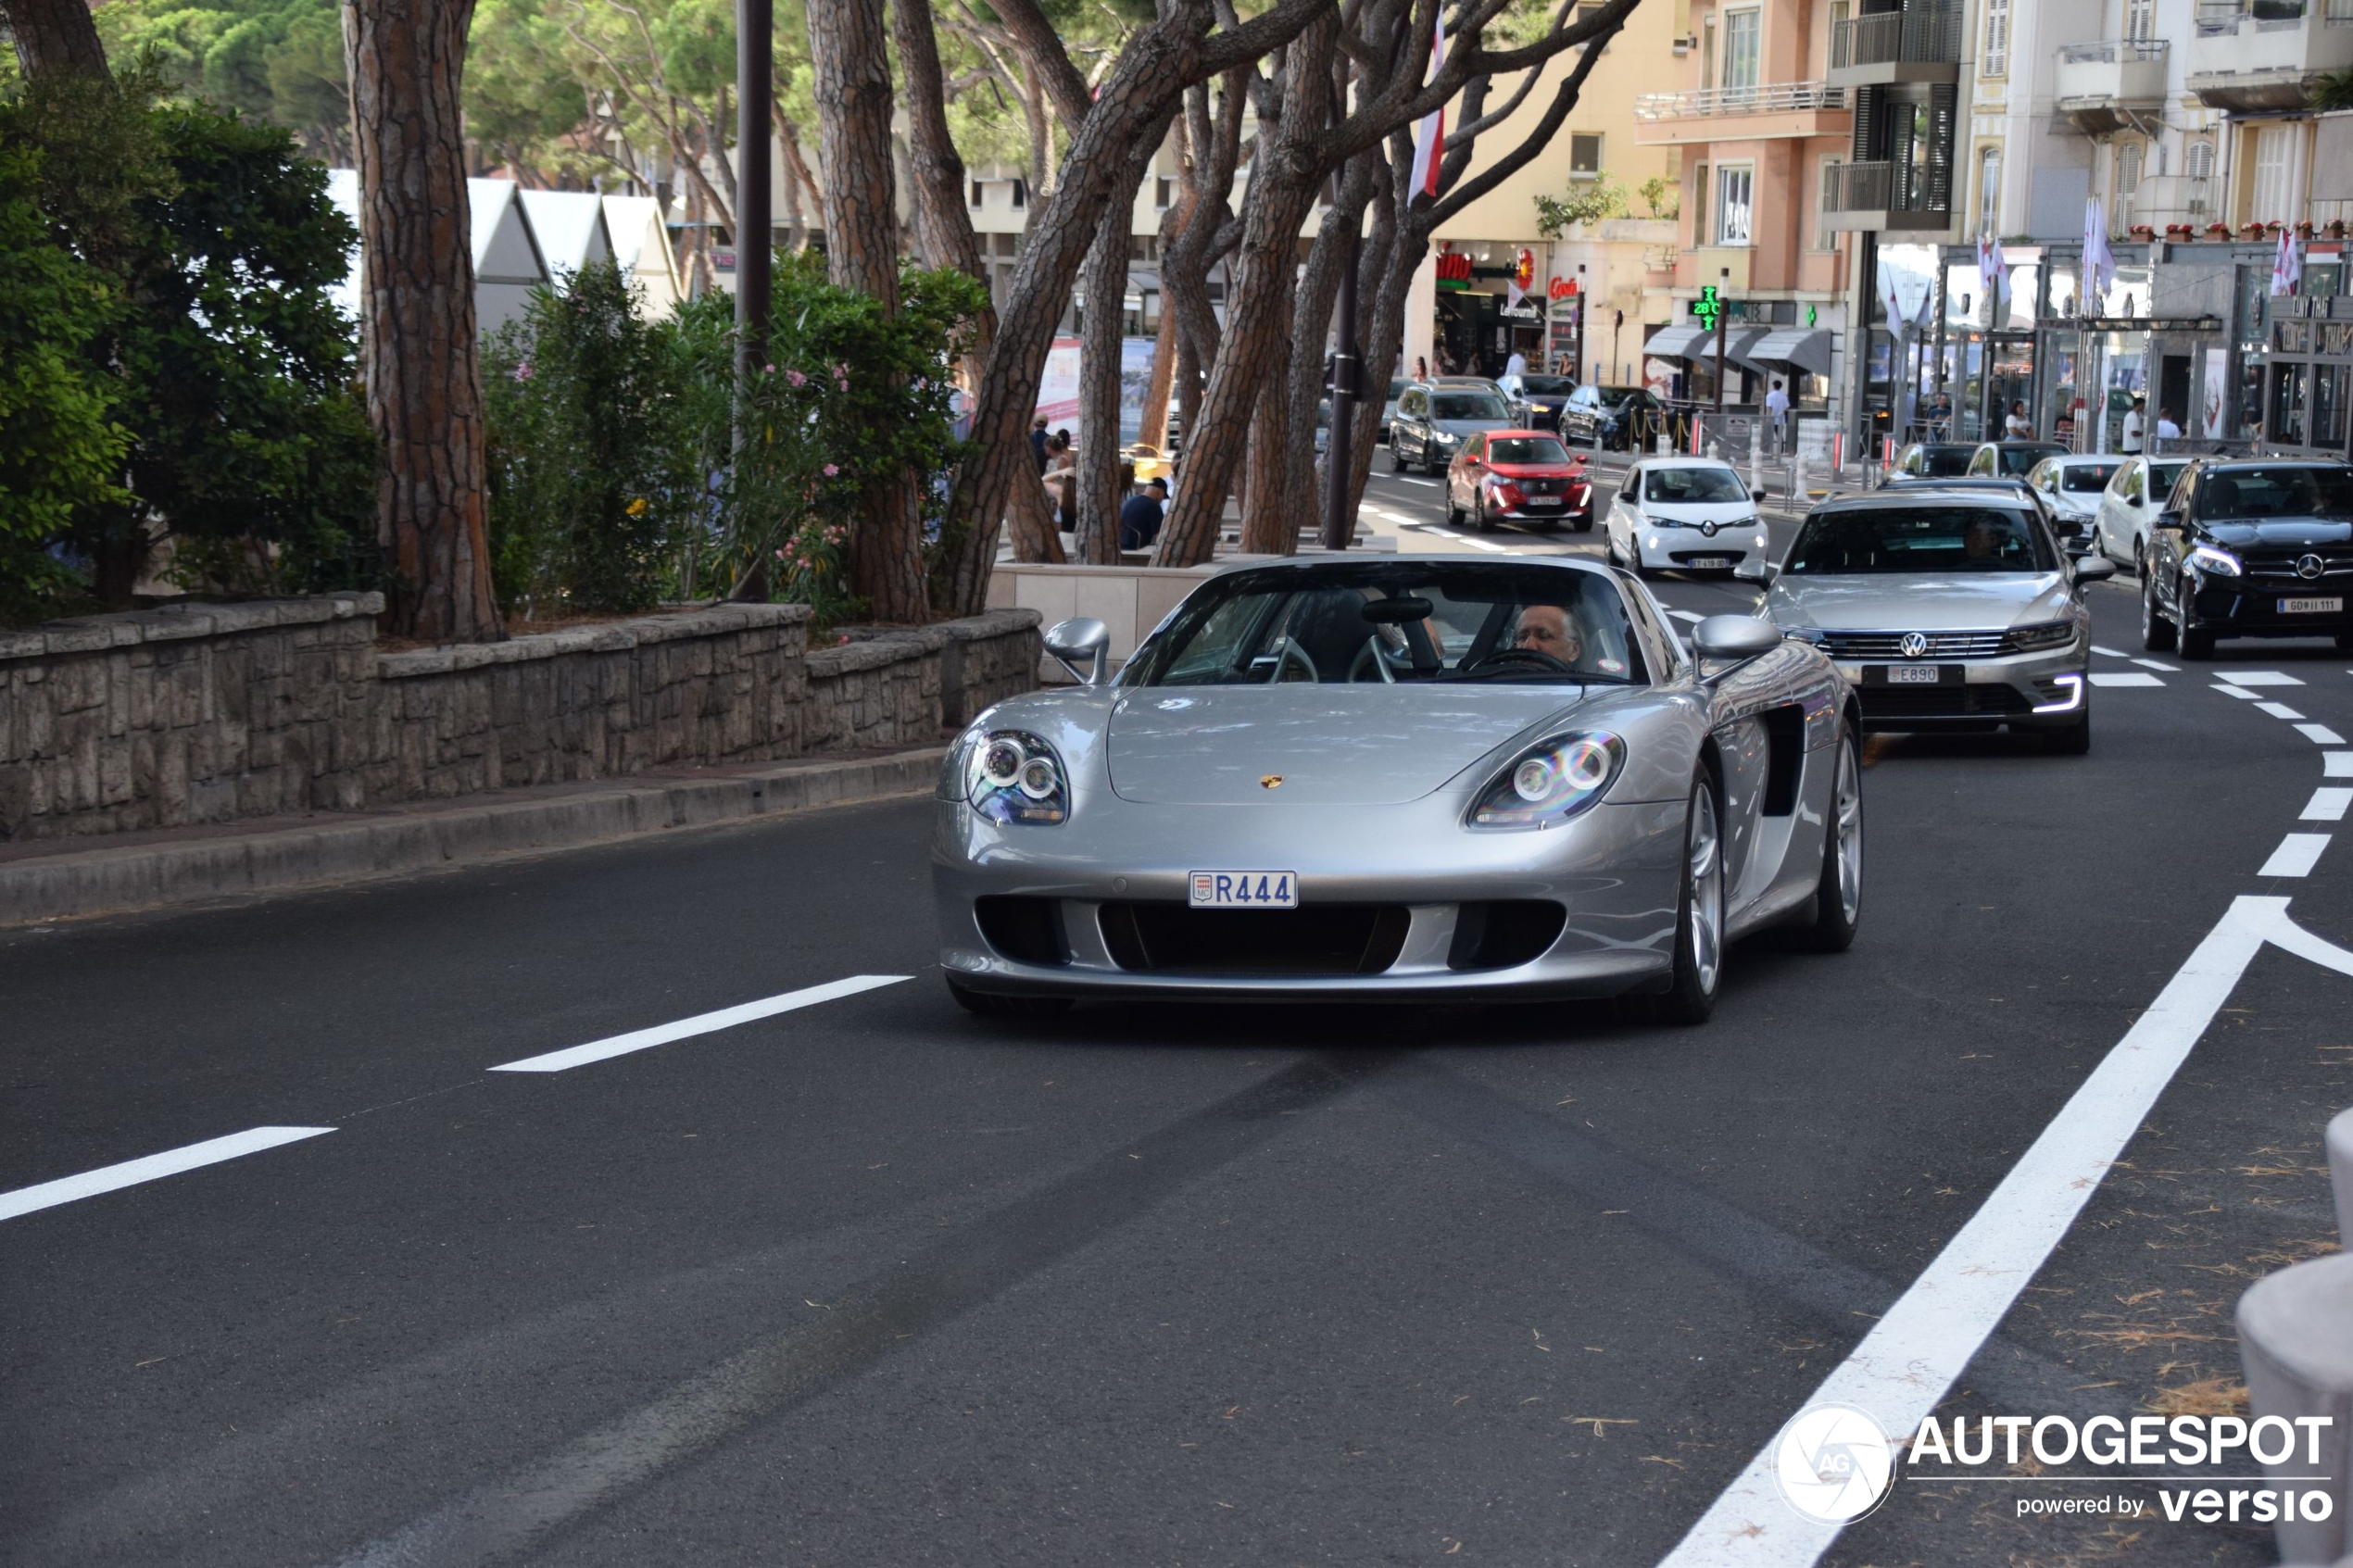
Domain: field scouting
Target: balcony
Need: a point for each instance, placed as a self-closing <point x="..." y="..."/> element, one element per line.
<point x="1920" y="43"/>
<point x="1886" y="198"/>
<point x="2167" y="199"/>
<point x="2254" y="56"/>
<point x="1781" y="110"/>
<point x="2107" y="86"/>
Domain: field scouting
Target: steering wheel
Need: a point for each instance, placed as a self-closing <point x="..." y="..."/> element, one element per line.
<point x="1288" y="650"/>
<point x="1371" y="650"/>
<point x="1505" y="658"/>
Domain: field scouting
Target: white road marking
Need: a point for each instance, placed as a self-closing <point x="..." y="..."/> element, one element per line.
<point x="2278" y="710"/>
<point x="2133" y="678"/>
<point x="1687" y="615"/>
<point x="2257" y="678"/>
<point x="2108" y="653"/>
<point x="1425" y="484"/>
<point x="2320" y="735"/>
<point x="2327" y="805"/>
<point x="2338" y="765"/>
<point x="2155" y="664"/>
<point x="130" y="1172"/>
<point x="2237" y="691"/>
<point x="2297" y="855"/>
<point x="703" y="1023"/>
<point x="1916" y="1353"/>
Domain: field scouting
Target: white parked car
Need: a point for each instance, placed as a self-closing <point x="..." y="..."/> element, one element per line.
<point x="2070" y="488"/>
<point x="2130" y="504"/>
<point x="1685" y="514"/>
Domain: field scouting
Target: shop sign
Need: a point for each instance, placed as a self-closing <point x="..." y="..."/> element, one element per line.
<point x="1453" y="269"/>
<point x="1561" y="288"/>
<point x="1524" y="269"/>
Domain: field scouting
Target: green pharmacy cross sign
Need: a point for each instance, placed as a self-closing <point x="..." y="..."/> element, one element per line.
<point x="1709" y="309"/>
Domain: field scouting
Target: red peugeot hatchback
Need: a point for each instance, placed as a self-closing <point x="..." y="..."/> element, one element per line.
<point x="1525" y="475"/>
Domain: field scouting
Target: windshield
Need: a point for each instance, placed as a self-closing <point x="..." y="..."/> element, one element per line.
<point x="2087" y="479"/>
<point x="1614" y="395"/>
<point x="1397" y="388"/>
<point x="1409" y="621"/>
<point x="2017" y="461"/>
<point x="1467" y="405"/>
<point x="1938" y="539"/>
<point x="1693" y="485"/>
<point x="2162" y="477"/>
<point x="1944" y="462"/>
<point x="2232" y="493"/>
<point x="1547" y="386"/>
<point x="1526" y="449"/>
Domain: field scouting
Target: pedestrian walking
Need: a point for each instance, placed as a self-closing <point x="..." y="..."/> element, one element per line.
<point x="1140" y="516"/>
<point x="2135" y="429"/>
<point x="1421" y="368"/>
<point x="1038" y="441"/>
<point x="2167" y="429"/>
<point x="2018" y="427"/>
<point x="1777" y="414"/>
<point x="1517" y="365"/>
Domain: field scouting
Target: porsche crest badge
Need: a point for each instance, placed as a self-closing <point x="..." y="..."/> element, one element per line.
<point x="1272" y="781"/>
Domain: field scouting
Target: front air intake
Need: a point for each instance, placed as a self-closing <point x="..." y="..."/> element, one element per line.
<point x="1312" y="939"/>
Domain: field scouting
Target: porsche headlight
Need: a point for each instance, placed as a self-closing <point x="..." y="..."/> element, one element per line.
<point x="1012" y="777"/>
<point x="1551" y="781"/>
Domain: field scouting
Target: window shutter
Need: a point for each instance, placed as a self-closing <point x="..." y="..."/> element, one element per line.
<point x="1942" y="106"/>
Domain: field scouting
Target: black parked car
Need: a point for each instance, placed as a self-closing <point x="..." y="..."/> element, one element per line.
<point x="1612" y="416"/>
<point x="1931" y="460"/>
<point x="1431" y="422"/>
<point x="2250" y="548"/>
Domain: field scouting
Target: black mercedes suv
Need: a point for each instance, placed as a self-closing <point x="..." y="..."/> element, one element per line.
<point x="2250" y="547"/>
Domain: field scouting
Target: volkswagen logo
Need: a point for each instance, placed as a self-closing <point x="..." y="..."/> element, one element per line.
<point x="2309" y="567"/>
<point x="1707" y="527"/>
<point x="1914" y="646"/>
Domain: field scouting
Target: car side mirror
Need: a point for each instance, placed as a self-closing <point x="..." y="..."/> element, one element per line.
<point x="1735" y="636"/>
<point x="2094" y="569"/>
<point x="1760" y="572"/>
<point x="2169" y="519"/>
<point x="1083" y="640"/>
<point x="1756" y="495"/>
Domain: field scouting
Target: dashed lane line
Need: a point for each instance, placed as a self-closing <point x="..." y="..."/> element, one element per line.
<point x="2320" y="734"/>
<point x="1687" y="615"/>
<point x="153" y="1167"/>
<point x="1920" y="1348"/>
<point x="2338" y="765"/>
<point x="2124" y="678"/>
<point x="2257" y="678"/>
<point x="2239" y="691"/>
<point x="2158" y="664"/>
<point x="1425" y="484"/>
<point x="2278" y="710"/>
<point x="703" y="1023"/>
<point x="2327" y="805"/>
<point x="2109" y="653"/>
<point x="2297" y="855"/>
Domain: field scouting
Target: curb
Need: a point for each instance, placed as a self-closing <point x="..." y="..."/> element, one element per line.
<point x="119" y="881"/>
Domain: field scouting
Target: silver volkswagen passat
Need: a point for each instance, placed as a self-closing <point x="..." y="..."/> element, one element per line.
<point x="1948" y="609"/>
<point x="1400" y="777"/>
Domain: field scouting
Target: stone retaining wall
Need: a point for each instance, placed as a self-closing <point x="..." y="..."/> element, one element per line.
<point x="213" y="713"/>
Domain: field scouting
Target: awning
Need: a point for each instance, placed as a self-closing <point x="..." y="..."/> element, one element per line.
<point x="1806" y="350"/>
<point x="1739" y="346"/>
<point x="1675" y="343"/>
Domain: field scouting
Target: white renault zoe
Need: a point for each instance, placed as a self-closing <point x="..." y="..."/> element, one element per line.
<point x="1685" y="514"/>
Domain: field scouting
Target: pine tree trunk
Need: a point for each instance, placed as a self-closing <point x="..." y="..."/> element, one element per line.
<point x="854" y="101"/>
<point x="406" y="58"/>
<point x="55" y="37"/>
<point x="1099" y="354"/>
<point x="1269" y="525"/>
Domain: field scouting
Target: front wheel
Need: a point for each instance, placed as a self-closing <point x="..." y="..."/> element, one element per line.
<point x="1699" y="923"/>
<point x="1480" y="519"/>
<point x="2073" y="741"/>
<point x="2157" y="632"/>
<point x="1396" y="456"/>
<point x="2195" y="641"/>
<point x="1838" y="898"/>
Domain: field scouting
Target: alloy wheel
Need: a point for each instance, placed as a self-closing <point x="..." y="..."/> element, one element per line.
<point x="1706" y="870"/>
<point x="1849" y="828"/>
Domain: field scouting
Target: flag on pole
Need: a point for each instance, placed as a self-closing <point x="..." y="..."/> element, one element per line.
<point x="2288" y="263"/>
<point x="1430" y="132"/>
<point x="2099" y="262"/>
<point x="1513" y="293"/>
<point x="1994" y="278"/>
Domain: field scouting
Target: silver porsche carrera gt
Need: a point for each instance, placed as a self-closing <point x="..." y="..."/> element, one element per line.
<point x="1402" y="777"/>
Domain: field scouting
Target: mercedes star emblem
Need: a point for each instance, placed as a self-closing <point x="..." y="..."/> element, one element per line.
<point x="2309" y="566"/>
<point x="1914" y="646"/>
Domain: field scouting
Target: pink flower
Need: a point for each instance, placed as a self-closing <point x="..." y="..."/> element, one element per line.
<point x="796" y="378"/>
<point x="772" y="369"/>
<point x="522" y="372"/>
<point x="833" y="471"/>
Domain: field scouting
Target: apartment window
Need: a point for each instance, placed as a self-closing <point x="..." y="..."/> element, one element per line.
<point x="975" y="199"/>
<point x="2140" y="20"/>
<point x="1825" y="204"/>
<point x="1021" y="193"/>
<point x="1163" y="193"/>
<point x="1742" y="29"/>
<point x="1584" y="156"/>
<point x="1735" y="191"/>
<point x="1989" y="190"/>
<point x="2269" y="201"/>
<point x="1996" y="58"/>
<point x="2127" y="175"/>
<point x="1699" y="204"/>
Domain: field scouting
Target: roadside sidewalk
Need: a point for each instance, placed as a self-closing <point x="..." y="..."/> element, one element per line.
<point x="57" y="879"/>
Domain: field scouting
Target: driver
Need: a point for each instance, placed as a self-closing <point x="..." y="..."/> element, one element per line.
<point x="1983" y="539"/>
<point x="1552" y="630"/>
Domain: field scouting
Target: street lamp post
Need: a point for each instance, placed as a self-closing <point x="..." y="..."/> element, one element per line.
<point x="1723" y="289"/>
<point x="1577" y="372"/>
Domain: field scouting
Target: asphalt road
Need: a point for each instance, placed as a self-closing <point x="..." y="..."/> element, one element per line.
<point x="871" y="1282"/>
